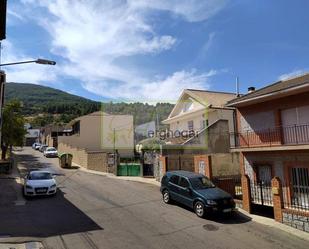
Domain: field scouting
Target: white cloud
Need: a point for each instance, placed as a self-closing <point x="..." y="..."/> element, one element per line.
<point x="292" y="74"/>
<point x="161" y="90"/>
<point x="191" y="10"/>
<point x="27" y="73"/>
<point x="95" y="37"/>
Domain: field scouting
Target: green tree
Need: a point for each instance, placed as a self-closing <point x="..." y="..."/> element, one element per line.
<point x="13" y="131"/>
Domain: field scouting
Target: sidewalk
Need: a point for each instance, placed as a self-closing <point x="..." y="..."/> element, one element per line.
<point x="11" y="188"/>
<point x="126" y="178"/>
<point x="29" y="245"/>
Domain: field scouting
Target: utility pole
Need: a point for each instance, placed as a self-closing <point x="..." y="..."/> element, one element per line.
<point x="114" y="141"/>
<point x="2" y="83"/>
<point x="3" y="4"/>
<point x="3" y="7"/>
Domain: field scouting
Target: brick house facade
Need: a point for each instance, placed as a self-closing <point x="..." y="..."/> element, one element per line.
<point x="272" y="137"/>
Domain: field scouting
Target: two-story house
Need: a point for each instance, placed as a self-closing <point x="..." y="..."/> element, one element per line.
<point x="199" y="124"/>
<point x="272" y="136"/>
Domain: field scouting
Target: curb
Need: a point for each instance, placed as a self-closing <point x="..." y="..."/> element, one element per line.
<point x="274" y="224"/>
<point x="139" y="179"/>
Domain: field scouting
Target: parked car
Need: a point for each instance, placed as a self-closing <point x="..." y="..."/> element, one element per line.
<point x="43" y="147"/>
<point x="195" y="191"/>
<point x="33" y="145"/>
<point x="36" y="146"/>
<point x="50" y="152"/>
<point x="40" y="183"/>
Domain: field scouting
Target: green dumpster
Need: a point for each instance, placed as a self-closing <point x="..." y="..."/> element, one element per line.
<point x="128" y="169"/>
<point x="134" y="169"/>
<point x="65" y="160"/>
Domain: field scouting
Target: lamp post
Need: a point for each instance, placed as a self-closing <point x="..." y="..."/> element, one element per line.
<point x="3" y="80"/>
<point x="38" y="61"/>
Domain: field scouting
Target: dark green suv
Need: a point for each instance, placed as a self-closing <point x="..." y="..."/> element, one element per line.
<point x="195" y="191"/>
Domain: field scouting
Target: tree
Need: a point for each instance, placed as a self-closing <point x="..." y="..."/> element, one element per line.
<point x="13" y="131"/>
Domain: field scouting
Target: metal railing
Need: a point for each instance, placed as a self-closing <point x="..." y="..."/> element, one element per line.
<point x="261" y="193"/>
<point x="296" y="191"/>
<point x="283" y="135"/>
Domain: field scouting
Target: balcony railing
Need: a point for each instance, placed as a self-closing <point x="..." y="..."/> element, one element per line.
<point x="289" y="135"/>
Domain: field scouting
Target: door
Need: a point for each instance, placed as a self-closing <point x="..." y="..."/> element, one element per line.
<point x="261" y="187"/>
<point x="264" y="174"/>
<point x="185" y="192"/>
<point x="173" y="187"/>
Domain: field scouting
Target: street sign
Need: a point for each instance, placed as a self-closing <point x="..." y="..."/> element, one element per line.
<point x="3" y="4"/>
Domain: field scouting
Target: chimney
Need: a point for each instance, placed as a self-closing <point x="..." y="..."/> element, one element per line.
<point x="251" y="89"/>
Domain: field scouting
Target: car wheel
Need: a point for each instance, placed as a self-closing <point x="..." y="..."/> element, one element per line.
<point x="166" y="197"/>
<point x="199" y="209"/>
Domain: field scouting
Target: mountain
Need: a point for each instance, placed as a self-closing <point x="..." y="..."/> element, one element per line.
<point x="43" y="105"/>
<point x="41" y="99"/>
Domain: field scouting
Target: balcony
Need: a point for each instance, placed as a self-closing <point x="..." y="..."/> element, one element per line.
<point x="278" y="136"/>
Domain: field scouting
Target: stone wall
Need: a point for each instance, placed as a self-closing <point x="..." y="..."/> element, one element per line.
<point x="97" y="161"/>
<point x="296" y="220"/>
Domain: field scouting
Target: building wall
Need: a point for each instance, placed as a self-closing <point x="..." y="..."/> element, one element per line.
<point x="278" y="161"/>
<point x="212" y="115"/>
<point x="93" y="160"/>
<point x="97" y="133"/>
<point x="182" y="123"/>
<point x="267" y="114"/>
<point x="224" y="164"/>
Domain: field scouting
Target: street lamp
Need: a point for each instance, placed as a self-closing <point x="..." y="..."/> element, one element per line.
<point x="38" y="61"/>
<point x="2" y="81"/>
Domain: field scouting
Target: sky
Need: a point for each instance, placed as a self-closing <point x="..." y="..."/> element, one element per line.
<point x="149" y="51"/>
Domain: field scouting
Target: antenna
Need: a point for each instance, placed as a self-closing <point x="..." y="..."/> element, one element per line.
<point x="237" y="86"/>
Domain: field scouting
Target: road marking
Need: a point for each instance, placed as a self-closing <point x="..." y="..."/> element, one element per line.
<point x="20" y="203"/>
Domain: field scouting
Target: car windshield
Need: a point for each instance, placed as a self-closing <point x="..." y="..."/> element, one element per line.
<point x="51" y="149"/>
<point x="201" y="183"/>
<point x="40" y="176"/>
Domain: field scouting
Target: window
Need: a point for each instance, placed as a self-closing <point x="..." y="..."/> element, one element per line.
<point x="187" y="105"/>
<point x="190" y="125"/>
<point x="201" y="183"/>
<point x="183" y="182"/>
<point x="174" y="179"/>
<point x="300" y="180"/>
<point x="204" y="123"/>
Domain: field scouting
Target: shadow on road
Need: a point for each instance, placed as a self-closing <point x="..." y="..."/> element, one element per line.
<point x="44" y="217"/>
<point x="39" y="216"/>
<point x="232" y="218"/>
<point x="30" y="162"/>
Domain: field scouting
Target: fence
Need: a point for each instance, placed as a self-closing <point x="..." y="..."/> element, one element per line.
<point x="261" y="193"/>
<point x="296" y="191"/>
<point x="289" y="135"/>
<point x="230" y="184"/>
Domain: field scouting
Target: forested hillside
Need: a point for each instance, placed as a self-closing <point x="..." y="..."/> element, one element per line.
<point x="43" y="105"/>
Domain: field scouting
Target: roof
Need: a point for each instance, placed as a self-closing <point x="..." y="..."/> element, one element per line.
<point x="204" y="97"/>
<point x="274" y="88"/>
<point x="184" y="173"/>
<point x="213" y="98"/>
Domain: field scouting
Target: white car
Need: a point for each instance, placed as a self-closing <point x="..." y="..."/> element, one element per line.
<point x="50" y="152"/>
<point x="36" y="146"/>
<point x="40" y="183"/>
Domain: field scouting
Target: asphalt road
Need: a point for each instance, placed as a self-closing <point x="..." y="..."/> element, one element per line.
<point x="93" y="211"/>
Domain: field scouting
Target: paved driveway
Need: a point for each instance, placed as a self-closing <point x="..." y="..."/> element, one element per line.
<point x="93" y="211"/>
